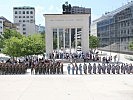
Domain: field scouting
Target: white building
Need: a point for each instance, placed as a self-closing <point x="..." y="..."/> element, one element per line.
<point x="24" y="17"/>
<point x="64" y="29"/>
<point x="1" y="26"/>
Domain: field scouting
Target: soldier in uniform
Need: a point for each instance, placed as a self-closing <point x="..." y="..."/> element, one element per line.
<point x="108" y="68"/>
<point x="68" y="68"/>
<point x="89" y="68"/>
<point x="80" y="69"/>
<point x="94" y="68"/>
<point x="73" y="68"/>
<point x="62" y="72"/>
<point x="85" y="68"/>
<point x="99" y="68"/>
<point x="76" y="68"/>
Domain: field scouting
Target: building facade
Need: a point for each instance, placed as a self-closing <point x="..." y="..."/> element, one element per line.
<point x="66" y="31"/>
<point x="80" y="10"/>
<point x="6" y="24"/>
<point x="1" y="26"/>
<point x="115" y="29"/>
<point x="24" y="17"/>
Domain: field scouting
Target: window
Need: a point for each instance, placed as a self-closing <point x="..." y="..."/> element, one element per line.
<point x="19" y="20"/>
<point x="15" y="12"/>
<point x="24" y="25"/>
<point x="16" y="16"/>
<point x="27" y="12"/>
<point x="31" y="12"/>
<point x="24" y="29"/>
<point x="31" y="21"/>
<point x="23" y="20"/>
<point x="31" y="16"/>
<point x="23" y="16"/>
<point x="24" y="32"/>
<point x="27" y="17"/>
<point x="19" y="12"/>
<point x="27" y="20"/>
<point x="19" y="16"/>
<point x="23" y="12"/>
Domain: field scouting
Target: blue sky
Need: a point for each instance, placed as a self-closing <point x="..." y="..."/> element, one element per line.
<point x="98" y="7"/>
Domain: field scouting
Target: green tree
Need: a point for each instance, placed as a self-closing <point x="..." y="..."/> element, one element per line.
<point x="130" y="46"/>
<point x="8" y="33"/>
<point x="93" y="42"/>
<point x="24" y="46"/>
<point x="13" y="47"/>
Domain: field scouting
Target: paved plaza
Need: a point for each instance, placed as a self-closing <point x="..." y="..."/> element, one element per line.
<point x="67" y="87"/>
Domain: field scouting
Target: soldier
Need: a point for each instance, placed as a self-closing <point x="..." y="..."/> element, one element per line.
<point x="103" y="69"/>
<point x="32" y="68"/>
<point x="118" y="69"/>
<point x="94" y="68"/>
<point x="99" y="69"/>
<point x="58" y="68"/>
<point x="108" y="68"/>
<point x="89" y="68"/>
<point x="76" y="67"/>
<point x="80" y="69"/>
<point x="73" y="68"/>
<point x="62" y="72"/>
<point x="85" y="68"/>
<point x="122" y="67"/>
<point x="113" y="69"/>
<point x="68" y="68"/>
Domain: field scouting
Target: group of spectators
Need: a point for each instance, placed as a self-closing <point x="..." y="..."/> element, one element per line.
<point x="103" y="68"/>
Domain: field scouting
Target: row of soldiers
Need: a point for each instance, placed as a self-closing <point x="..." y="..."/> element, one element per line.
<point x="12" y="68"/>
<point x="100" y="68"/>
<point x="49" y="67"/>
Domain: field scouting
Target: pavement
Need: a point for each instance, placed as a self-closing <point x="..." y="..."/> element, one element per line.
<point x="67" y="87"/>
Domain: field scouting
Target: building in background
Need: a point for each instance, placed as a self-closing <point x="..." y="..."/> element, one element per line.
<point x="94" y="29"/>
<point x="24" y="17"/>
<point x="6" y="24"/>
<point x="68" y="9"/>
<point x="115" y="28"/>
<point x="1" y="26"/>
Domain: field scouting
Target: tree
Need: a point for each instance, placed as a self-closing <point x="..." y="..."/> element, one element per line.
<point x="8" y="33"/>
<point x="130" y="46"/>
<point x="93" y="42"/>
<point x="13" y="47"/>
<point x="24" y="46"/>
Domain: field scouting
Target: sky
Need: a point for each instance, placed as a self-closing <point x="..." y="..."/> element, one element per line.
<point x="98" y="7"/>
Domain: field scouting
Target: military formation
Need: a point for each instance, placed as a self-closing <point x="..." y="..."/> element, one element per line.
<point x="102" y="68"/>
<point x="47" y="67"/>
<point x="12" y="68"/>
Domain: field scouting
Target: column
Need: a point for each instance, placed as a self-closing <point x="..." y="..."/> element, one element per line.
<point x="58" y="39"/>
<point x="63" y="39"/>
<point x="70" y="39"/>
<point x="76" y="39"/>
